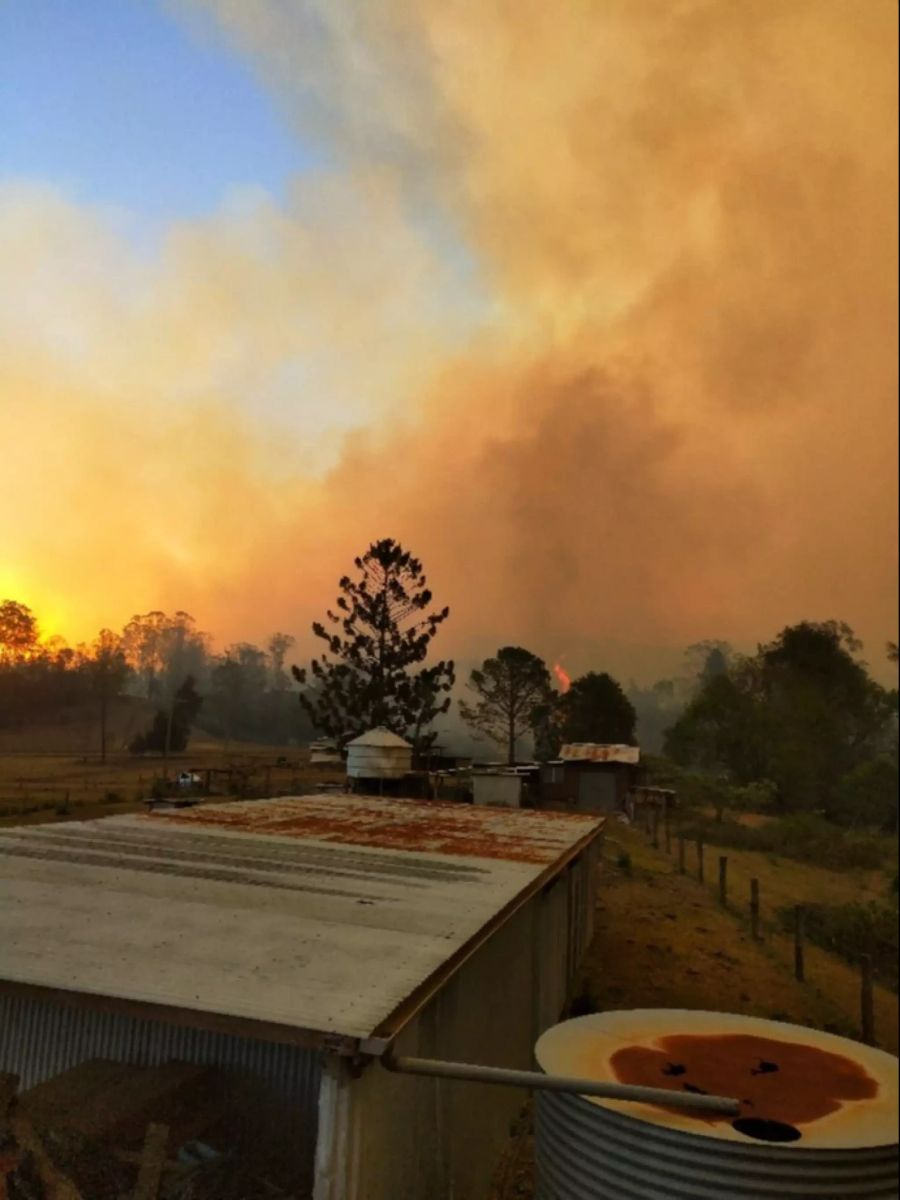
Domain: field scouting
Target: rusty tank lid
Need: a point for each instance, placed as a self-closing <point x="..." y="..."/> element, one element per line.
<point x="798" y="1087"/>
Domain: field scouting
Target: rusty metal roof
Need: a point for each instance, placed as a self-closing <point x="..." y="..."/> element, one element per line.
<point x="529" y="836"/>
<point x="320" y="914"/>
<point x="597" y="752"/>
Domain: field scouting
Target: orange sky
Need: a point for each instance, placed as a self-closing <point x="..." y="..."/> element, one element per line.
<point x="596" y="310"/>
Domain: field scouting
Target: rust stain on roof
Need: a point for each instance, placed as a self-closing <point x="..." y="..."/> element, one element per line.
<point x="523" y="836"/>
<point x="597" y="752"/>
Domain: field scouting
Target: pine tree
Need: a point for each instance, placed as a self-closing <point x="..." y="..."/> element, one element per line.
<point x="380" y="632"/>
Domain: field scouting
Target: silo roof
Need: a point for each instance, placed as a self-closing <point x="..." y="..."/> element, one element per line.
<point x="380" y="737"/>
<point x="317" y="919"/>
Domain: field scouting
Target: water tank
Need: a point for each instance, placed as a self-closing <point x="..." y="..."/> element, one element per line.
<point x="818" y="1112"/>
<point x="379" y="754"/>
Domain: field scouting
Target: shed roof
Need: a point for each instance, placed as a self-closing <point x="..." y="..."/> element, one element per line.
<point x="316" y="915"/>
<point x="597" y="752"/>
<point x="380" y="737"/>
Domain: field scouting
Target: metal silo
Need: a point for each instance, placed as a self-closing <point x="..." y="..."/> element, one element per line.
<point x="818" y="1112"/>
<point x="379" y="754"/>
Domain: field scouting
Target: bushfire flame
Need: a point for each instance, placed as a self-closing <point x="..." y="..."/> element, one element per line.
<point x="562" y="676"/>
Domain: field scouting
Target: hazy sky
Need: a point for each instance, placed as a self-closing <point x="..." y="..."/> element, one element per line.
<point x="591" y="303"/>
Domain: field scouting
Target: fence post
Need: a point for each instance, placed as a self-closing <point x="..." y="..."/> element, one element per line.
<point x="799" y="961"/>
<point x="723" y="882"/>
<point x="681" y="866"/>
<point x="867" y="998"/>
<point x="700" y="872"/>
<point x="667" y="831"/>
<point x="654" y="828"/>
<point x="754" y="909"/>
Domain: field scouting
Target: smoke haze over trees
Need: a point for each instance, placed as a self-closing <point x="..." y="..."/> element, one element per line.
<point x="629" y="362"/>
<point x="246" y="691"/>
<point x="512" y="691"/>
<point x="804" y="717"/>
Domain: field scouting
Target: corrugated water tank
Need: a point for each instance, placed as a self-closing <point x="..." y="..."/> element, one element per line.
<point x="818" y="1112"/>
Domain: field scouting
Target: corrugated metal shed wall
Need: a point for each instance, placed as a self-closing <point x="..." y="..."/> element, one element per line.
<point x="397" y="1137"/>
<point x="39" y="1040"/>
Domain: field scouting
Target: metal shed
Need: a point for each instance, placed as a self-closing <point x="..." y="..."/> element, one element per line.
<point x="299" y="940"/>
<point x="590" y="777"/>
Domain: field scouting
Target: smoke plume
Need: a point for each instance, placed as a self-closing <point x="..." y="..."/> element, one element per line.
<point x="595" y="309"/>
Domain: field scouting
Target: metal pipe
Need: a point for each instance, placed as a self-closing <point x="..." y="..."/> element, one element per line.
<point x="560" y="1083"/>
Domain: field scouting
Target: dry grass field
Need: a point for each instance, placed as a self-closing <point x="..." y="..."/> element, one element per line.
<point x="48" y="777"/>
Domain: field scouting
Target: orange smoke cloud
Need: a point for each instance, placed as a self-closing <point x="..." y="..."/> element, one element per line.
<point x="597" y="314"/>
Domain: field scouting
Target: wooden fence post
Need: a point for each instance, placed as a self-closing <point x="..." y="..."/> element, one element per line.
<point x="867" y="998"/>
<point x="700" y="871"/>
<point x="667" y="831"/>
<point x="799" y="960"/>
<point x="723" y="882"/>
<point x="654" y="828"/>
<point x="681" y="866"/>
<point x="754" y="909"/>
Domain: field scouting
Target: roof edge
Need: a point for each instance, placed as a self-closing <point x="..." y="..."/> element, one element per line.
<point x="396" y="1021"/>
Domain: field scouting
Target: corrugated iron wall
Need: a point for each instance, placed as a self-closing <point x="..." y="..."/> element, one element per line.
<point x="39" y="1040"/>
<point x="397" y="1137"/>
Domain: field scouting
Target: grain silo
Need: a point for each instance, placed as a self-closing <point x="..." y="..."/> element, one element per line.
<point x="379" y="754"/>
<point x="818" y="1113"/>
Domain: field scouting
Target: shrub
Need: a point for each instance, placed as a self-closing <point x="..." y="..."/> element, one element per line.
<point x="624" y="862"/>
<point x="867" y="797"/>
<point x="803" y="836"/>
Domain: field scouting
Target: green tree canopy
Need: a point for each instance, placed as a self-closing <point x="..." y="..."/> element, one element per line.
<point x="512" y="689"/>
<point x="379" y="634"/>
<point x="170" y="731"/>
<point x="596" y="709"/>
<point x="803" y="712"/>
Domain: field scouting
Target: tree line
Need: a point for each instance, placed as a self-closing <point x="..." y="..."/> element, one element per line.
<point x="244" y="693"/>
<point x="801" y="720"/>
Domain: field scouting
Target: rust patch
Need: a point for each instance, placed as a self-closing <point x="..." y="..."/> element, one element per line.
<point x="523" y="836"/>
<point x="774" y="1080"/>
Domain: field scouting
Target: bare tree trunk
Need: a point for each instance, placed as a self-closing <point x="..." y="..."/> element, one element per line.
<point x="168" y="742"/>
<point x="104" y="702"/>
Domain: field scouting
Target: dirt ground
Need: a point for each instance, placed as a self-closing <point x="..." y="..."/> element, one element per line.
<point x="663" y="940"/>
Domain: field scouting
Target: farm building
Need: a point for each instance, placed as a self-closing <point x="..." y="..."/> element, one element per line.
<point x="589" y="777"/>
<point x="296" y="942"/>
